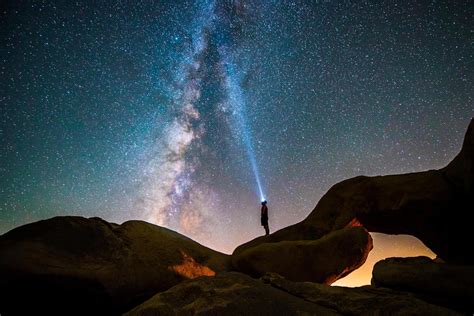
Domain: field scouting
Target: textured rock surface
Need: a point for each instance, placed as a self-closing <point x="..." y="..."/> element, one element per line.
<point x="366" y="300"/>
<point x="237" y="294"/>
<point x="227" y="294"/>
<point x="323" y="260"/>
<point x="441" y="283"/>
<point x="434" y="206"/>
<point x="95" y="265"/>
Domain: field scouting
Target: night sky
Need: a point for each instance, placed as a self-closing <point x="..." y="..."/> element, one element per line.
<point x="179" y="113"/>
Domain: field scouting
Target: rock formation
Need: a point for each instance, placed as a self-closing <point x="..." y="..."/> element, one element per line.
<point x="439" y="283"/>
<point x="237" y="294"/>
<point x="227" y="294"/>
<point x="78" y="264"/>
<point x="434" y="206"/>
<point x="365" y="300"/>
<point x="323" y="260"/>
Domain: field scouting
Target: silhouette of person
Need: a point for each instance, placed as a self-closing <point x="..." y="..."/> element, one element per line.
<point x="264" y="217"/>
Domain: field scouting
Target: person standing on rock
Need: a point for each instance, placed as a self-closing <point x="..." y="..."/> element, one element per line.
<point x="264" y="217"/>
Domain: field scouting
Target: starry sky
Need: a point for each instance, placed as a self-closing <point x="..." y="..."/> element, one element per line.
<point x="186" y="113"/>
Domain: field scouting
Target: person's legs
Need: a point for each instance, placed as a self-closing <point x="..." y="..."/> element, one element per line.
<point x="267" y="230"/>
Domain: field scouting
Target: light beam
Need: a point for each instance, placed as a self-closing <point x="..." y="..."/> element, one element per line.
<point x="238" y="109"/>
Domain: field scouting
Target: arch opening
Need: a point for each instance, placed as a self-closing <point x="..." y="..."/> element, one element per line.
<point x="385" y="246"/>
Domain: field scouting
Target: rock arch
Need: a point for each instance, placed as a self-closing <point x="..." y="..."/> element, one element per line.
<point x="435" y="206"/>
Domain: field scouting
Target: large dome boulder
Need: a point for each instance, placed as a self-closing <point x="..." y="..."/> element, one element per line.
<point x="77" y="265"/>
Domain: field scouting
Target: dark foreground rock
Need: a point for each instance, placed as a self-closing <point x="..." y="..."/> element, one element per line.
<point x="434" y="206"/>
<point x="237" y="294"/>
<point x="365" y="300"/>
<point x="323" y="260"/>
<point x="227" y="294"/>
<point x="74" y="265"/>
<point x="440" y="283"/>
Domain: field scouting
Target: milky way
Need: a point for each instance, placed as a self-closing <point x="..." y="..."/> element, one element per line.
<point x="171" y="196"/>
<point x="169" y="174"/>
<point x="187" y="113"/>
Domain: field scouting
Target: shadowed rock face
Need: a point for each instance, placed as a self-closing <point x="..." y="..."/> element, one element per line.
<point x="439" y="283"/>
<point x="434" y="206"/>
<point x="323" y="260"/>
<point x="237" y="294"/>
<point x="227" y="294"/>
<point x="94" y="265"/>
<point x="365" y="300"/>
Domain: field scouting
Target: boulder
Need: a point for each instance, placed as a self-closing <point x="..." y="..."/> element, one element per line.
<point x="78" y="265"/>
<point x="365" y="300"/>
<point x="323" y="260"/>
<point x="434" y="206"/>
<point x="440" y="283"/>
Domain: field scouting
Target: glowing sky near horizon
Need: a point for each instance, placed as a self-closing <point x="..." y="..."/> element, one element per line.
<point x="187" y="113"/>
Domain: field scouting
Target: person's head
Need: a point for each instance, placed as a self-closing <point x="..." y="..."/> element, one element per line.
<point x="264" y="202"/>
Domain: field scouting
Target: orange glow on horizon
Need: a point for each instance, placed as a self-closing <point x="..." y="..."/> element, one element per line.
<point x="385" y="246"/>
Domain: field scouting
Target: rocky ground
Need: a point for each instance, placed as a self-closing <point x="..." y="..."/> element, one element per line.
<point x="234" y="293"/>
<point x="75" y="265"/>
